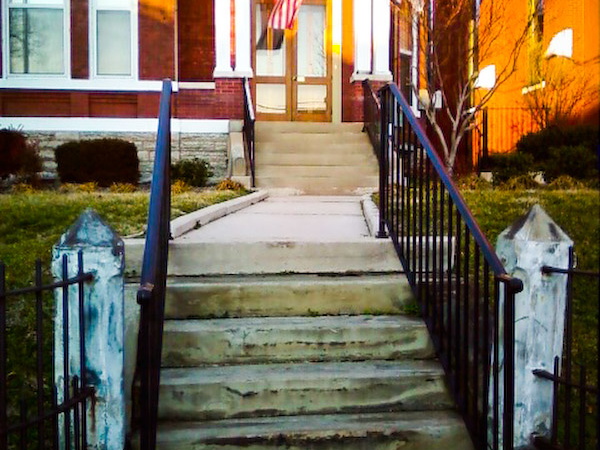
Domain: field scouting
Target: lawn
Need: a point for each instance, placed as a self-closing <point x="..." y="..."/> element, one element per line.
<point x="31" y="223"/>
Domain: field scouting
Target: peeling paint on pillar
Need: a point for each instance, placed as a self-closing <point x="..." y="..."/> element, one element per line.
<point x="532" y="242"/>
<point x="103" y="255"/>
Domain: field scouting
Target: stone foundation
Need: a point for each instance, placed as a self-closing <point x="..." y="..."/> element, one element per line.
<point x="212" y="147"/>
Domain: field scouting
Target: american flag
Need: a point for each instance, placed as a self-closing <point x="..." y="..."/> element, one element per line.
<point x="284" y="14"/>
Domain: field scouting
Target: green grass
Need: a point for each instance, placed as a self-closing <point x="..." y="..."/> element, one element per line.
<point x="577" y="212"/>
<point x="31" y="223"/>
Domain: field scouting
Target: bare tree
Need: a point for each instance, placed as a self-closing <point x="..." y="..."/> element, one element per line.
<point x="458" y="34"/>
<point x="565" y="89"/>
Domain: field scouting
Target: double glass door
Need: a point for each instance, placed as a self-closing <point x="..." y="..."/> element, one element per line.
<point x="293" y="67"/>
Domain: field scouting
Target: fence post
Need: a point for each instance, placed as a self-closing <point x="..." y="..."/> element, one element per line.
<point x="532" y="242"/>
<point x="103" y="306"/>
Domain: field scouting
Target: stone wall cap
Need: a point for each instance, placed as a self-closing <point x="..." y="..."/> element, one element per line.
<point x="536" y="225"/>
<point x="90" y="230"/>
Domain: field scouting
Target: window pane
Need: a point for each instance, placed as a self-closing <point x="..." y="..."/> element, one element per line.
<point x="312" y="97"/>
<point x="312" y="54"/>
<point x="270" y="98"/>
<point x="114" y="43"/>
<point x="37" y="2"/>
<point x="270" y="46"/>
<point x="36" y="41"/>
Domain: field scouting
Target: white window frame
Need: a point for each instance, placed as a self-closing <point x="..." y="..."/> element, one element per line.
<point x="113" y="5"/>
<point x="6" y="7"/>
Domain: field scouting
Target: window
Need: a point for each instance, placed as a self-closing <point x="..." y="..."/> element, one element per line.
<point x="36" y="37"/>
<point x="112" y="37"/>
<point x="536" y="35"/>
<point x="402" y="48"/>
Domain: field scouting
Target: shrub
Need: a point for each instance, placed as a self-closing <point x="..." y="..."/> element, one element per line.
<point x="17" y="156"/>
<point x="538" y="144"/>
<point x="473" y="181"/>
<point x="180" y="187"/>
<point x="518" y="183"/>
<point x="509" y="165"/>
<point x="229" y="185"/>
<point x="22" y="188"/>
<point x="565" y="182"/>
<point x="575" y="161"/>
<point x="194" y="172"/>
<point x="104" y="161"/>
<point x="122" y="188"/>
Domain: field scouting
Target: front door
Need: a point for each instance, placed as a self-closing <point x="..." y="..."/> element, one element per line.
<point x="293" y="67"/>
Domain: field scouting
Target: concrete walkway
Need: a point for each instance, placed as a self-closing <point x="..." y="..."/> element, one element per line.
<point x="293" y="218"/>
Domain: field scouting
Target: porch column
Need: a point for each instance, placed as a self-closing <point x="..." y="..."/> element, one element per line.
<point x="222" y="39"/>
<point x="243" y="38"/>
<point x="362" y="36"/>
<point x="381" y="39"/>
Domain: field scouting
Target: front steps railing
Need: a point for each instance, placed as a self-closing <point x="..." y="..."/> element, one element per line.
<point x="465" y="295"/>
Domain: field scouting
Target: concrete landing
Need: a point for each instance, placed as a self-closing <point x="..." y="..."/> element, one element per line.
<point x="294" y="218"/>
<point x="294" y="234"/>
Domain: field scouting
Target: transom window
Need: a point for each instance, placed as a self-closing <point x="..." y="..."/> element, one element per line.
<point x="112" y="37"/>
<point x="36" y="37"/>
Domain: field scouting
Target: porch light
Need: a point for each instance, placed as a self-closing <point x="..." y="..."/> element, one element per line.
<point x="486" y="78"/>
<point x="561" y="44"/>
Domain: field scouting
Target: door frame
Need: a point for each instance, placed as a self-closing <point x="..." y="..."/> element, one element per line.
<point x="290" y="79"/>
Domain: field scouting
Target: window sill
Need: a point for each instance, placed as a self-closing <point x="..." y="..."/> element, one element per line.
<point x="108" y="84"/>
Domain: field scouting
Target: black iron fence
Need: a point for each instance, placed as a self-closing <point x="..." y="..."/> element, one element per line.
<point x="497" y="130"/>
<point x="465" y="295"/>
<point x="34" y="411"/>
<point x="249" y="120"/>
<point x="151" y="294"/>
<point x="576" y="377"/>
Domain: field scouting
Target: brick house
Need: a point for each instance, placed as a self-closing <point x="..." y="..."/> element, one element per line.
<point x="560" y="54"/>
<point x="82" y="68"/>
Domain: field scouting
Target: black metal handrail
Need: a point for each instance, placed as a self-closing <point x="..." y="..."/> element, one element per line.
<point x="465" y="295"/>
<point x="40" y="428"/>
<point x="151" y="294"/>
<point x="249" y="121"/>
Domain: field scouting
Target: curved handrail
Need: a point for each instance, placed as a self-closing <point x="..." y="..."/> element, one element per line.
<point x="459" y="202"/>
<point x="151" y="294"/>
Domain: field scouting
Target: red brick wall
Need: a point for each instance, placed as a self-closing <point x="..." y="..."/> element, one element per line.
<point x="20" y="103"/>
<point x="79" y="39"/>
<point x="195" y="22"/>
<point x="224" y="102"/>
<point x="156" y="39"/>
<point x="1" y="34"/>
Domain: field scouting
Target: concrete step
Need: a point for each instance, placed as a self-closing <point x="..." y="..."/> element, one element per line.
<point x="442" y="430"/>
<point x="222" y="392"/>
<point x="308" y="127"/>
<point x="188" y="257"/>
<point x="279" y="158"/>
<point x="287" y="295"/>
<point x="189" y="343"/>
<point x="314" y="144"/>
<point x="320" y="185"/>
<point x="332" y="174"/>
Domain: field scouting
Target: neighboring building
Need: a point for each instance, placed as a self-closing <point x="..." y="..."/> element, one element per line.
<point x="558" y="63"/>
<point x="73" y="68"/>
